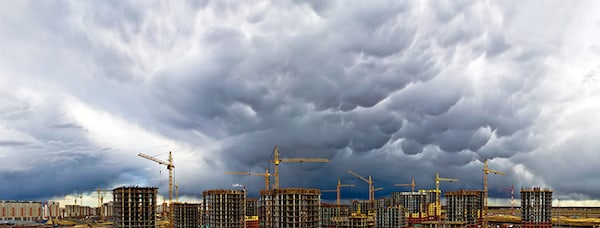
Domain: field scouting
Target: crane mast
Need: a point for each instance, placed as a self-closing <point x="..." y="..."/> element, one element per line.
<point x="438" y="204"/>
<point x="276" y="160"/>
<point x="369" y="182"/>
<point x="486" y="171"/>
<point x="338" y="190"/>
<point x="170" y="167"/>
<point x="101" y="193"/>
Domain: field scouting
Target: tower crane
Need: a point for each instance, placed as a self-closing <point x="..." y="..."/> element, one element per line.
<point x="170" y="167"/>
<point x="438" y="205"/>
<point x="338" y="188"/>
<point x="276" y="160"/>
<point x="369" y="182"/>
<point x="486" y="171"/>
<point x="266" y="175"/>
<point x="512" y="198"/>
<point x="101" y="193"/>
<point x="80" y="196"/>
<point x="412" y="184"/>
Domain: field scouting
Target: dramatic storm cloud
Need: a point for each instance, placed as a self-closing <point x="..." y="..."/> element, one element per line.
<point x="392" y="89"/>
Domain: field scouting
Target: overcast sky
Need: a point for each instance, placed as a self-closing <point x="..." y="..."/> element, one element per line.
<point x="392" y="89"/>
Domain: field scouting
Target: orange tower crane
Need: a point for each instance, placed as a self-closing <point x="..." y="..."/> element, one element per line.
<point x="438" y="205"/>
<point x="276" y="160"/>
<point x="170" y="167"/>
<point x="412" y="184"/>
<point x="369" y="181"/>
<point x="486" y="171"/>
<point x="266" y="175"/>
<point x="338" y="189"/>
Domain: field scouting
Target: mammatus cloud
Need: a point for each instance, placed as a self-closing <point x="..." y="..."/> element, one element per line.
<point x="393" y="90"/>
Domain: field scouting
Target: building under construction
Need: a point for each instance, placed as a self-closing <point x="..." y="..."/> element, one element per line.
<point x="415" y="204"/>
<point x="224" y="208"/>
<point x="78" y="211"/>
<point x="330" y="211"/>
<point x="363" y="206"/>
<point x="384" y="202"/>
<point x="465" y="206"/>
<point x="391" y="217"/>
<point x="251" y="207"/>
<point x="290" y="207"/>
<point x="186" y="215"/>
<point x="536" y="208"/>
<point x="252" y="213"/>
<point x="356" y="220"/>
<point x="135" y="206"/>
<point x="434" y="211"/>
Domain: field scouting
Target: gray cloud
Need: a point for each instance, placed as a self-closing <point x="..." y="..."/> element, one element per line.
<point x="391" y="89"/>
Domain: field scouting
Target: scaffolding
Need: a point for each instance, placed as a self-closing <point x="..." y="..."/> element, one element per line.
<point x="465" y="206"/>
<point x="536" y="207"/>
<point x="185" y="215"/>
<point x="391" y="217"/>
<point x="224" y="208"/>
<point x="135" y="206"/>
<point x="290" y="208"/>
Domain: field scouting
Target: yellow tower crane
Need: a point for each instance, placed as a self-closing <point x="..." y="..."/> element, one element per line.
<point x="266" y="175"/>
<point x="101" y="193"/>
<point x="486" y="171"/>
<point x="412" y="184"/>
<point x="438" y="204"/>
<point x="170" y="167"/>
<point x="338" y="189"/>
<point x="276" y="160"/>
<point x="369" y="181"/>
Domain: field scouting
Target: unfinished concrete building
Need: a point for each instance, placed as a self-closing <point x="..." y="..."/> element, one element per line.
<point x="465" y="206"/>
<point x="536" y="207"/>
<point x="415" y="204"/>
<point x="355" y="220"/>
<point x="224" y="208"/>
<point x="363" y="206"/>
<point x="78" y="211"/>
<point x="107" y="210"/>
<point x="251" y="207"/>
<point x="431" y="196"/>
<point x="391" y="217"/>
<point x="290" y="208"/>
<point x="185" y="215"/>
<point x="134" y="206"/>
<point x="384" y="202"/>
<point x="330" y="211"/>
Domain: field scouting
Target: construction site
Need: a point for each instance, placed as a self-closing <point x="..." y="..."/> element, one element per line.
<point x="279" y="207"/>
